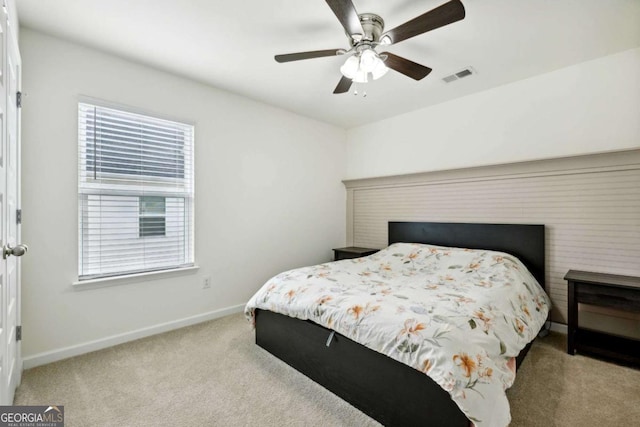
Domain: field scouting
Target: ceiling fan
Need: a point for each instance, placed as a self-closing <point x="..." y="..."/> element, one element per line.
<point x="365" y="33"/>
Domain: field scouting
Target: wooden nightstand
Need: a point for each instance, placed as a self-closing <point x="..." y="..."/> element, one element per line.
<point x="352" y="252"/>
<point x="607" y="290"/>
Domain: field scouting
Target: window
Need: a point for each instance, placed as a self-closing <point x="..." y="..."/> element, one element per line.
<point x="135" y="193"/>
<point x="153" y="220"/>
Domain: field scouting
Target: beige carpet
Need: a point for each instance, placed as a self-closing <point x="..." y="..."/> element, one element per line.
<point x="213" y="374"/>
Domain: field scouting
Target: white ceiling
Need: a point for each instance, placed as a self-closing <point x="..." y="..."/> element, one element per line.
<point x="231" y="44"/>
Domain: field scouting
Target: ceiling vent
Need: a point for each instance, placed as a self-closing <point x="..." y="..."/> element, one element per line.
<point x="459" y="75"/>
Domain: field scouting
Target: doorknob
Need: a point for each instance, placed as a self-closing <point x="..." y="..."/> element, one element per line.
<point x="17" y="250"/>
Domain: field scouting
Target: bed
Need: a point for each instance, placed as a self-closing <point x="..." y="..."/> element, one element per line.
<point x="382" y="387"/>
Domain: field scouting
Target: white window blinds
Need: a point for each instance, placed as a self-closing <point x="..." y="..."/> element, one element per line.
<point x="135" y="193"/>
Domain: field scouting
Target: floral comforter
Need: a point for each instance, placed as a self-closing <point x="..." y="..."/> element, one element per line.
<point x="458" y="315"/>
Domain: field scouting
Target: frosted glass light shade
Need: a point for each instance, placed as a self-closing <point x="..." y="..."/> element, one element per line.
<point x="360" y="77"/>
<point x="379" y="70"/>
<point x="350" y="68"/>
<point x="368" y="60"/>
<point x="358" y="66"/>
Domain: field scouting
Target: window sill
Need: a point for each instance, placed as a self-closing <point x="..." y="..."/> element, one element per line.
<point x="132" y="278"/>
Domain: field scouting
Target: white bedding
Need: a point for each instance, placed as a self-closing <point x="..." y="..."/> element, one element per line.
<point x="458" y="315"/>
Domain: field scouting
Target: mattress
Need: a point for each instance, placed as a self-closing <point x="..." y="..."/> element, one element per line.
<point x="459" y="316"/>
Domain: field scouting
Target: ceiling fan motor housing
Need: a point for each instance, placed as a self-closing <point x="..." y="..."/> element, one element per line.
<point x="372" y="26"/>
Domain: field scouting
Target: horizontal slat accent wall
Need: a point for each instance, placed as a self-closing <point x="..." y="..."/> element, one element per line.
<point x="590" y="206"/>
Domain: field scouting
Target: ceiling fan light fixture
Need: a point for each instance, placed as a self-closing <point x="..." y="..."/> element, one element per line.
<point x="358" y="66"/>
<point x="379" y="70"/>
<point x="350" y="67"/>
<point x="361" y="77"/>
<point x="369" y="60"/>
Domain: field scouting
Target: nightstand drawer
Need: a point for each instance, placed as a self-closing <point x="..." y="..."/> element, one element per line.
<point x="620" y="298"/>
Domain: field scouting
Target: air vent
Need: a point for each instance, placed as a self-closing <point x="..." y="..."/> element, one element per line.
<point x="459" y="75"/>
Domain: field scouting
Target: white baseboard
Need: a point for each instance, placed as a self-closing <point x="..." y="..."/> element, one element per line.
<point x="87" y="347"/>
<point x="559" y="327"/>
<point x="78" y="349"/>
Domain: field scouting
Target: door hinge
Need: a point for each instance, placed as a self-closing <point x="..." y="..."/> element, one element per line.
<point x="19" y="216"/>
<point x="18" y="333"/>
<point x="19" y="99"/>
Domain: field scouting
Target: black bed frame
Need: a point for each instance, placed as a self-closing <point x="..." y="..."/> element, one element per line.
<point x="388" y="391"/>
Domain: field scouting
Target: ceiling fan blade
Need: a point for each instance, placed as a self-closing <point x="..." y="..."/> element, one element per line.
<point x="445" y="14"/>
<point x="406" y="67"/>
<point x="343" y="85"/>
<point x="347" y="15"/>
<point x="307" y="55"/>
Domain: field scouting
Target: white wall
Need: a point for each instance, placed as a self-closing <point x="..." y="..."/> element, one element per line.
<point x="586" y="108"/>
<point x="268" y="195"/>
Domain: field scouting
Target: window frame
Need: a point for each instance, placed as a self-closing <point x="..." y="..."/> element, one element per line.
<point x="159" y="186"/>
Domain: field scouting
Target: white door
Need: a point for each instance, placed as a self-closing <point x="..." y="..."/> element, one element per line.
<point x="10" y="360"/>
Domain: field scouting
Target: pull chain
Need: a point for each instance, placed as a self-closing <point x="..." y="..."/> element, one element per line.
<point x="355" y="91"/>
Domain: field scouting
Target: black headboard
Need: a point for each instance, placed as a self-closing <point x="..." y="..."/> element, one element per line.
<point x="525" y="241"/>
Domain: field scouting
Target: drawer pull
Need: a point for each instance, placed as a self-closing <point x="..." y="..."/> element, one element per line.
<point x="330" y="338"/>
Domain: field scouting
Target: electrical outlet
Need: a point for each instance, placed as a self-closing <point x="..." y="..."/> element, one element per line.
<point x="206" y="283"/>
